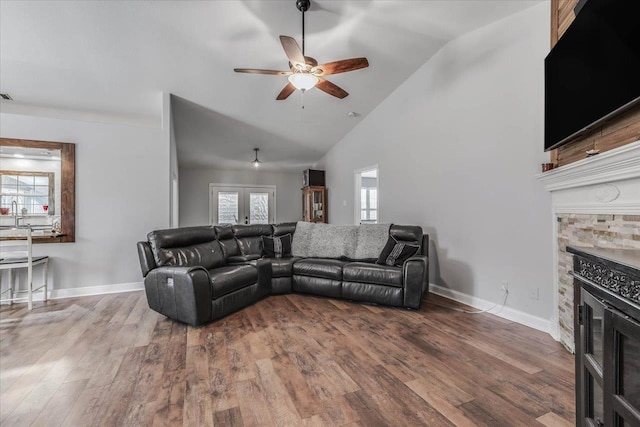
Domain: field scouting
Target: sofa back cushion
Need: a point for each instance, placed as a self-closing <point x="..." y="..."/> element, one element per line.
<point x="319" y="240"/>
<point x="353" y="242"/>
<point x="284" y="228"/>
<point x="186" y="247"/>
<point x="407" y="233"/>
<point x="371" y="240"/>
<point x="227" y="241"/>
<point x="249" y="237"/>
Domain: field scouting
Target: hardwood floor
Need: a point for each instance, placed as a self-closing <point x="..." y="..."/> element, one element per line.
<point x="288" y="360"/>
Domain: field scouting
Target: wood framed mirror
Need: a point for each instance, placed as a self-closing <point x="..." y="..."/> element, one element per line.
<point x="65" y="207"/>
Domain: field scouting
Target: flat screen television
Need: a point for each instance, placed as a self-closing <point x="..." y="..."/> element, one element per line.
<point x="593" y="73"/>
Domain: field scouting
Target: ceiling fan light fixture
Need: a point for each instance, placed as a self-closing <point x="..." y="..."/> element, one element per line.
<point x="305" y="73"/>
<point x="303" y="81"/>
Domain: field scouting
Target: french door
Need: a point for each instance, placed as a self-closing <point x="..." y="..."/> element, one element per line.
<point x="236" y="204"/>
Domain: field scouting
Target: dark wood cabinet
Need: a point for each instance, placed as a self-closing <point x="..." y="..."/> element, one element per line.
<point x="607" y="336"/>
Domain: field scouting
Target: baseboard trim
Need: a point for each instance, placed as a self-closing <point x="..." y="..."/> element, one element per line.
<point x="514" y="315"/>
<point x="91" y="290"/>
<point x="508" y="313"/>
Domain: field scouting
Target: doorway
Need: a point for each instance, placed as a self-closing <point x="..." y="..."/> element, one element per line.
<point x="366" y="192"/>
<point x="231" y="204"/>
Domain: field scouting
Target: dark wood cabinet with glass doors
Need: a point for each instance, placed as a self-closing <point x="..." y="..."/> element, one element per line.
<point x="607" y="336"/>
<point x="314" y="204"/>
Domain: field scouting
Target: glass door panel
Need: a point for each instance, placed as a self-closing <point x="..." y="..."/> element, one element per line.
<point x="258" y="208"/>
<point x="592" y="358"/>
<point x="228" y="207"/>
<point x="318" y="205"/>
<point x="596" y="409"/>
<point x="623" y="369"/>
<point x="630" y="370"/>
<point x="259" y="205"/>
<point x="594" y="331"/>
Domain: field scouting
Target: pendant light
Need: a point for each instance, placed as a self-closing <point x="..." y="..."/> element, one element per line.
<point x="256" y="162"/>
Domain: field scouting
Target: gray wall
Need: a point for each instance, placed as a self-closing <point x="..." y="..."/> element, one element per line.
<point x="194" y="191"/>
<point x="458" y="146"/>
<point x="122" y="193"/>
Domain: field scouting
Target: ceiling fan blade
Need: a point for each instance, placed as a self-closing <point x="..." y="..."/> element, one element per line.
<point x="284" y="94"/>
<point x="258" y="71"/>
<point x="292" y="50"/>
<point x="341" y="66"/>
<point x="331" y="89"/>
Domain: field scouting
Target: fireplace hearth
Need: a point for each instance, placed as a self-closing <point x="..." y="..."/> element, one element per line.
<point x="595" y="203"/>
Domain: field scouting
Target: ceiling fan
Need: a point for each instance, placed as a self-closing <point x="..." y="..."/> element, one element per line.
<point x="305" y="73"/>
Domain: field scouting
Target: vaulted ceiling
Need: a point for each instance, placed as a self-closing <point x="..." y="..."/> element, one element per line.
<point x="118" y="57"/>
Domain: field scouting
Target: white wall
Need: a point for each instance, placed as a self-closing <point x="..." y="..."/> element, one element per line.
<point x="194" y="191"/>
<point x="458" y="145"/>
<point x="122" y="193"/>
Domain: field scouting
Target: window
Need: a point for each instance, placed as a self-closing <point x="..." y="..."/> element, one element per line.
<point x="367" y="195"/>
<point x="368" y="204"/>
<point x="33" y="191"/>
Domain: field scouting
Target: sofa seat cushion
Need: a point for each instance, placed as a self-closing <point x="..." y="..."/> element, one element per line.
<point x="363" y="272"/>
<point x="319" y="267"/>
<point x="231" y="278"/>
<point x="283" y="267"/>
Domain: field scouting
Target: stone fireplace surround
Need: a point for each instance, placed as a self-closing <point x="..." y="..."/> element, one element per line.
<point x="595" y="203"/>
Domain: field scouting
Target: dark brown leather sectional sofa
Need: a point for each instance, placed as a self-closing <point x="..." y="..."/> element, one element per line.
<point x="198" y="274"/>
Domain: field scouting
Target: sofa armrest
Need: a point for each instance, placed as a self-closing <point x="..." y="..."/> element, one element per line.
<point x="415" y="272"/>
<point x="265" y="273"/>
<point x="242" y="259"/>
<point x="145" y="255"/>
<point x="180" y="293"/>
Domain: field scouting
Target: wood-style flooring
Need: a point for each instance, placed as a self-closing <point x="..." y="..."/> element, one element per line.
<point x="289" y="360"/>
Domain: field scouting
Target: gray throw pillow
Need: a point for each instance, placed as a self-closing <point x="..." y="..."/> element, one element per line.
<point x="276" y="247"/>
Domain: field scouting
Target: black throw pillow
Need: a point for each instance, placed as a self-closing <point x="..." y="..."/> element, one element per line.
<point x="276" y="247"/>
<point x="396" y="253"/>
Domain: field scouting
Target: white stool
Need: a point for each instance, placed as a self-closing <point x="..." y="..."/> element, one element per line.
<point x="12" y="239"/>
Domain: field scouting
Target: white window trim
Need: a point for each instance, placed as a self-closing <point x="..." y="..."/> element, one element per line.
<point x="358" y="187"/>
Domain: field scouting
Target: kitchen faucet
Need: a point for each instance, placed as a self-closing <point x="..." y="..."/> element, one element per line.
<point x="14" y="208"/>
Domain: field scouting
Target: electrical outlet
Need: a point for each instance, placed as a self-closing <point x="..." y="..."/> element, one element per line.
<point x="505" y="286"/>
<point x="534" y="294"/>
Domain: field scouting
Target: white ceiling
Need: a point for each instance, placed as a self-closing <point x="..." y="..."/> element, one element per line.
<point x="118" y="57"/>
